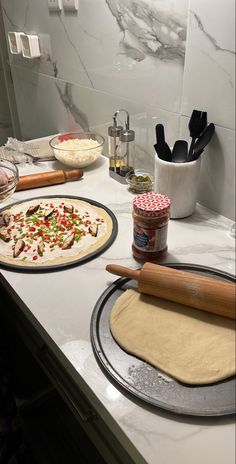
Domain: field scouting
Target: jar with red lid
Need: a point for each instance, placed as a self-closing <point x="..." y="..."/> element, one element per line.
<point x="151" y="212"/>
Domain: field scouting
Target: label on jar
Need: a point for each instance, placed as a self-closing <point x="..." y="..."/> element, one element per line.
<point x="150" y="240"/>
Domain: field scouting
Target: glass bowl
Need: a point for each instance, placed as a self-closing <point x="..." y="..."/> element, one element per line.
<point x="139" y="181"/>
<point x="77" y="149"/>
<point x="9" y="177"/>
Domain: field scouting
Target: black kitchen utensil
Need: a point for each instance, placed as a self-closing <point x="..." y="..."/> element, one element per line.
<point x="203" y="140"/>
<point x="180" y="151"/>
<point x="162" y="148"/>
<point x="197" y="124"/>
<point x="197" y="155"/>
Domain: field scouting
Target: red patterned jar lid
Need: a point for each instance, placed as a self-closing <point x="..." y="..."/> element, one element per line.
<point x="151" y="204"/>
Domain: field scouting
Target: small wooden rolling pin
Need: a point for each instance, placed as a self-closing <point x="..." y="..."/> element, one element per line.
<point x="205" y="293"/>
<point x="48" y="178"/>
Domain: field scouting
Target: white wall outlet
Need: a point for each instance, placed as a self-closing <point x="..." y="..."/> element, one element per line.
<point x="54" y="5"/>
<point x="30" y="46"/>
<point x="70" y="5"/>
<point x="15" y="42"/>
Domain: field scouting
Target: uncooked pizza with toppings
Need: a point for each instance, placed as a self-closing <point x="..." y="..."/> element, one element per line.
<point x="53" y="230"/>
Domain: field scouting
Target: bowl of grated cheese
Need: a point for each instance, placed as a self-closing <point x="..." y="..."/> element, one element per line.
<point x="77" y="149"/>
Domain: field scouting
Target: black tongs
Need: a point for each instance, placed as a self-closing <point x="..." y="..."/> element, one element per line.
<point x="197" y="124"/>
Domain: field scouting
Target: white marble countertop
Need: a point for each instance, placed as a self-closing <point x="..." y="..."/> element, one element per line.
<point x="65" y="305"/>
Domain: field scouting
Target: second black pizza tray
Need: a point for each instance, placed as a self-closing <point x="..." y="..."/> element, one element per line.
<point x="143" y="381"/>
<point x="76" y="262"/>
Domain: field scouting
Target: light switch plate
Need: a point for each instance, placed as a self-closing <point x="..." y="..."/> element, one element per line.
<point x="70" y="5"/>
<point x="54" y="5"/>
<point x="15" y="42"/>
<point x="30" y="46"/>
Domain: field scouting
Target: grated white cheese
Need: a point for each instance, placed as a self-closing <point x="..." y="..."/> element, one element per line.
<point x="78" y="152"/>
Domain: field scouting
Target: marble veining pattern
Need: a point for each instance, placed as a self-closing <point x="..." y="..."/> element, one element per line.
<point x="212" y="39"/>
<point x="148" y="31"/>
<point x="22" y="26"/>
<point x="77" y="53"/>
<point x="210" y="62"/>
<point x="157" y="58"/>
<point x="123" y="47"/>
<point x="67" y="100"/>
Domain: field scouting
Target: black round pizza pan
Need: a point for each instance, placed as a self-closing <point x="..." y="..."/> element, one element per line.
<point x="143" y="382"/>
<point x="76" y="262"/>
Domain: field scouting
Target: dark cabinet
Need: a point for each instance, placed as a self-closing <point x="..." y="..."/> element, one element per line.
<point x="55" y="412"/>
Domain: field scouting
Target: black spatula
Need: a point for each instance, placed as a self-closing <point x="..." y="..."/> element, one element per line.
<point x="197" y="124"/>
<point x="162" y="148"/>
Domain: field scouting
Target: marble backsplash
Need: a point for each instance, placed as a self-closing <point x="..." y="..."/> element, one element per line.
<point x="5" y="119"/>
<point x="159" y="59"/>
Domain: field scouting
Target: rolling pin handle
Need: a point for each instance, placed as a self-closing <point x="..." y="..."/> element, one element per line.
<point x="123" y="271"/>
<point x="45" y="179"/>
<point x="182" y="287"/>
<point x="73" y="174"/>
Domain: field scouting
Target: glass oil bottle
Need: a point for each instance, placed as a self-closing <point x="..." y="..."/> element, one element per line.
<point x="114" y="147"/>
<point x="127" y="149"/>
<point x="120" y="148"/>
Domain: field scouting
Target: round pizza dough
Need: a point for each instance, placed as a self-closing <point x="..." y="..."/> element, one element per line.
<point x="193" y="346"/>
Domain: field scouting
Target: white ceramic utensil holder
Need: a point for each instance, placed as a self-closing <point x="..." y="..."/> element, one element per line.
<point x="179" y="181"/>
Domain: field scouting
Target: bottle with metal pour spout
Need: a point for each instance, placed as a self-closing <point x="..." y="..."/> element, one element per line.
<point x="113" y="146"/>
<point x="121" y="148"/>
<point x="127" y="149"/>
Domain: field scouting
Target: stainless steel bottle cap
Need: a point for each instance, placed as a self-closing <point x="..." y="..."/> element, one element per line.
<point x="114" y="131"/>
<point x="127" y="135"/>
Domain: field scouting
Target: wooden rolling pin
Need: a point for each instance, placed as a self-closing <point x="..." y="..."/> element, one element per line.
<point x="48" y="178"/>
<point x="205" y="293"/>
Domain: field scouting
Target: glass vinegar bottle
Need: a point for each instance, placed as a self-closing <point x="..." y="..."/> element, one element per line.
<point x="115" y="159"/>
<point x="127" y="152"/>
